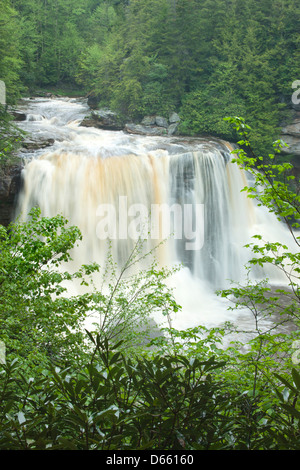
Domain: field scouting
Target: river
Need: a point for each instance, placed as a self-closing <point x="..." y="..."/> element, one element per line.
<point x="106" y="181"/>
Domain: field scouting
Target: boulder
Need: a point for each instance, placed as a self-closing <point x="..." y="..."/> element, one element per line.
<point x="51" y="95"/>
<point x="103" y="119"/>
<point x="173" y="118"/>
<point x="36" y="144"/>
<point x="172" y="129"/>
<point x="93" y="100"/>
<point x="161" y="121"/>
<point x="18" y="116"/>
<point x="145" y="130"/>
<point x="293" y="144"/>
<point x="148" y="121"/>
<point x="44" y="94"/>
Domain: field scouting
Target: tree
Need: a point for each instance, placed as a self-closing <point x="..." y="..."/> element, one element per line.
<point x="10" y="57"/>
<point x="271" y="347"/>
<point x="41" y="322"/>
<point x="38" y="321"/>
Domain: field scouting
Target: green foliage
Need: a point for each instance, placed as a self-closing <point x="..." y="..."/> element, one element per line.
<point x="113" y="403"/>
<point x="287" y="424"/>
<point x="41" y="322"/>
<point x="129" y="296"/>
<point x="203" y="59"/>
<point x="10" y="56"/>
<point x="37" y="320"/>
<point x="202" y="112"/>
<point x="116" y="402"/>
<point x="187" y="390"/>
<point x="272" y="188"/>
<point x="10" y="137"/>
<point x="275" y="310"/>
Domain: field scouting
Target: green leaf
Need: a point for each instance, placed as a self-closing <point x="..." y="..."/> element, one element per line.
<point x="296" y="378"/>
<point x="286" y="383"/>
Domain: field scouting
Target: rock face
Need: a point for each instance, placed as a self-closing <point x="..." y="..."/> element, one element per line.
<point x="150" y="125"/>
<point x="155" y="125"/>
<point x="144" y="130"/>
<point x="290" y="134"/>
<point x="36" y="144"/>
<point x="10" y="185"/>
<point x="103" y="119"/>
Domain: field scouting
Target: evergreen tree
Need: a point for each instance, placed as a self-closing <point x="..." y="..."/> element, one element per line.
<point x="10" y="58"/>
<point x="203" y="59"/>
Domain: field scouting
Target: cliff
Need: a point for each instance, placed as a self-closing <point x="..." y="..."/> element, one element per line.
<point x="10" y="185"/>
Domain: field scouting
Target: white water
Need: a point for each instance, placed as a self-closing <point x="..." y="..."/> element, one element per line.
<point x="87" y="167"/>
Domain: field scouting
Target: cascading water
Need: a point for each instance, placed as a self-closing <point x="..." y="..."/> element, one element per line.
<point x="103" y="181"/>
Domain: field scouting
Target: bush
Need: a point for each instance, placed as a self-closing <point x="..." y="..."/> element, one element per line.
<point x="114" y="402"/>
<point x="185" y="391"/>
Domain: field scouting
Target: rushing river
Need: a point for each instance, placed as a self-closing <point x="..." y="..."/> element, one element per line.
<point x="106" y="181"/>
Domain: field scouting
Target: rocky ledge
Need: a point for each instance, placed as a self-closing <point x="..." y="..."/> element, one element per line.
<point x="103" y="119"/>
<point x="30" y="143"/>
<point x="155" y="125"/>
<point x="290" y="134"/>
<point x="10" y="185"/>
<point x="150" y="125"/>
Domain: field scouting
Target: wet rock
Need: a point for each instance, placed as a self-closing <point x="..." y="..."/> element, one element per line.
<point x="45" y="94"/>
<point x="292" y="129"/>
<point x="172" y="129"/>
<point x="4" y="186"/>
<point x="103" y="119"/>
<point x="10" y="185"/>
<point x="18" y="116"/>
<point x="174" y="117"/>
<point x="93" y="100"/>
<point x="161" y="121"/>
<point x="148" y="121"/>
<point x="145" y="130"/>
<point x="35" y="144"/>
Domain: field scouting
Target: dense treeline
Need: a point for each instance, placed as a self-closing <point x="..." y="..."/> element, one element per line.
<point x="64" y="388"/>
<point x="203" y="58"/>
<point x="61" y="388"/>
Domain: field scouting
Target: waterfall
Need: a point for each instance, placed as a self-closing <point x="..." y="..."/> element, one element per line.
<point x="119" y="187"/>
<point x="111" y="198"/>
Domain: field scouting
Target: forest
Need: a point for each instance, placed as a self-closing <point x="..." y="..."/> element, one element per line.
<point x="204" y="59"/>
<point x="227" y="68"/>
